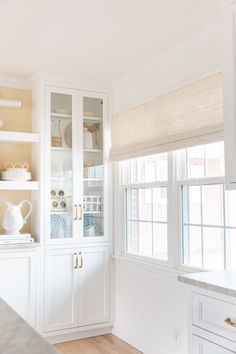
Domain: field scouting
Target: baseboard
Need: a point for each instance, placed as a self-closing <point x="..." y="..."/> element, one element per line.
<point x="137" y="340"/>
<point x="77" y="334"/>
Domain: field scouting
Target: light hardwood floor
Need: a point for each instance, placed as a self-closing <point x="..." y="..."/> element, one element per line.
<point x="107" y="344"/>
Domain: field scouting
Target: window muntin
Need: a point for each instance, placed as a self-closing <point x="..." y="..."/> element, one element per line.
<point x="148" y="169"/>
<point x="207" y="222"/>
<point x="206" y="214"/>
<point x="205" y="160"/>
<point x="146" y="206"/>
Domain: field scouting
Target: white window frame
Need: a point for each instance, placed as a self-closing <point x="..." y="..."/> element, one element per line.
<point x="174" y="213"/>
<point x="120" y="215"/>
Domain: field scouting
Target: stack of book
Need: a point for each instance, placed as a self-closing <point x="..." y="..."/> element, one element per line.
<point x="12" y="239"/>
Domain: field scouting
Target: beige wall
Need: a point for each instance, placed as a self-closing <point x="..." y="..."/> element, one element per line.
<point x="15" y="119"/>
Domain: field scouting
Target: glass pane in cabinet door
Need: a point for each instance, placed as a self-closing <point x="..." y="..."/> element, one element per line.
<point x="61" y="166"/>
<point x="93" y="173"/>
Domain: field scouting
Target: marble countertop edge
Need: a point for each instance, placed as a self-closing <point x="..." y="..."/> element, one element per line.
<point x="223" y="282"/>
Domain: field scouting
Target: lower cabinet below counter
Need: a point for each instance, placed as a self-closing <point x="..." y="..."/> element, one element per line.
<point x="203" y="346"/>
<point x="76" y="287"/>
<point x="18" y="282"/>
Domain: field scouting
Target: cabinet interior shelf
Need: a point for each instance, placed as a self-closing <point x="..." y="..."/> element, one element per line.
<point x="98" y="151"/>
<point x="59" y="212"/>
<point x="61" y="116"/>
<point x="92" y="212"/>
<point x="19" y="185"/>
<point x="61" y="179"/>
<point x="60" y="148"/>
<point x="92" y="119"/>
<point x="18" y="137"/>
<point x="93" y="180"/>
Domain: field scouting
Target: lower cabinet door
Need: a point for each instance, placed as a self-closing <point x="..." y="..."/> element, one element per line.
<point x="60" y="290"/>
<point x="18" y="282"/>
<point x="93" y="286"/>
<point x="202" y="346"/>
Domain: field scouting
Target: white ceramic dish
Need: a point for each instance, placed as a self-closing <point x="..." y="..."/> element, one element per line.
<point x="6" y="176"/>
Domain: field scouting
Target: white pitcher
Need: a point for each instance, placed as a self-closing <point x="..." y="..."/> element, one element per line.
<point x="13" y="220"/>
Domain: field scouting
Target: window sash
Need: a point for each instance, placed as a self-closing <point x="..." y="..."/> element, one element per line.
<point x="176" y="180"/>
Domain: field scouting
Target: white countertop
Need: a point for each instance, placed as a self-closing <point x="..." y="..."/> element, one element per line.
<point x="17" y="337"/>
<point x="222" y="282"/>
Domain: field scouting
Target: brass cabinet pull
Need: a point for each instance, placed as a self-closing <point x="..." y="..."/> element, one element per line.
<point x="81" y="260"/>
<point x="230" y="322"/>
<point x="80" y="212"/>
<point x="75" y="261"/>
<point x="76" y="212"/>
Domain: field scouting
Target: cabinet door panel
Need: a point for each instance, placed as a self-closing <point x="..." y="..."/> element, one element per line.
<point x="94" y="165"/>
<point x="18" y="283"/>
<point x="60" y="290"/>
<point x="61" y="161"/>
<point x="202" y="346"/>
<point x="94" y="286"/>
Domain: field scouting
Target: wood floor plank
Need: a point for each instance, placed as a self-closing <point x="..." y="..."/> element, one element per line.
<point x="107" y="344"/>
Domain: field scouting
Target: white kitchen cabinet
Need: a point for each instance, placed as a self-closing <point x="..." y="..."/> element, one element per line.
<point x="230" y="93"/>
<point x="60" y="289"/>
<point x="76" y="287"/>
<point x="203" y="346"/>
<point x="76" y="166"/>
<point x="94" y="286"/>
<point x="18" y="282"/>
<point x="75" y="212"/>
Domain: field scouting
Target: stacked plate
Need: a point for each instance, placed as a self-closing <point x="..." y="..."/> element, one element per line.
<point x="16" y="174"/>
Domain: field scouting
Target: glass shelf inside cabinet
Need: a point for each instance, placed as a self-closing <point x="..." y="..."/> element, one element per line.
<point x="61" y="166"/>
<point x="93" y="174"/>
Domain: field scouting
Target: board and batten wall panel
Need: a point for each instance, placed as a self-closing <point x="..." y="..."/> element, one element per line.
<point x="15" y="119"/>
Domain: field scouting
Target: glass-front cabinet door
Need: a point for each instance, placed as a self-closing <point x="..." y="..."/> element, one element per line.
<point x="95" y="177"/>
<point x="76" y="166"/>
<point x="61" y="189"/>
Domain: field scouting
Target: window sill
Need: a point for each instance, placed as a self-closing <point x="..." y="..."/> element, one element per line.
<point x="153" y="267"/>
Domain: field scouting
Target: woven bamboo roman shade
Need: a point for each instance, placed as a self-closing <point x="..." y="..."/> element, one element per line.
<point x="188" y="116"/>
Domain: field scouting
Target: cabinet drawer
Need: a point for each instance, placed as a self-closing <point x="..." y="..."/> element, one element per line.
<point x="202" y="346"/>
<point x="210" y="314"/>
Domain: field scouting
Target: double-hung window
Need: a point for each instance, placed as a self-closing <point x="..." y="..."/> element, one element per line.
<point x="145" y="188"/>
<point x="207" y="210"/>
<point x="189" y="208"/>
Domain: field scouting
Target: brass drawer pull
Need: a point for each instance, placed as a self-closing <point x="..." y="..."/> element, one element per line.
<point x="80" y="212"/>
<point x="76" y="212"/>
<point x="230" y="322"/>
<point x="76" y="261"/>
<point x="81" y="260"/>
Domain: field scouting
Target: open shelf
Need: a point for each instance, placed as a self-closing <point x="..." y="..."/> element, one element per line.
<point x="19" y="185"/>
<point x="18" y="138"/>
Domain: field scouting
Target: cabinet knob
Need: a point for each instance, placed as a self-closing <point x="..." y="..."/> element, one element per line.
<point x="230" y="322"/>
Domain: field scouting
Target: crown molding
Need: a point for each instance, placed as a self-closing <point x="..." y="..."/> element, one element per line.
<point x="72" y="82"/>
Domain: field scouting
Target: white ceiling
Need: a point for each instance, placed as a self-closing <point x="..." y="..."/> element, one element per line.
<point x="96" y="39"/>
